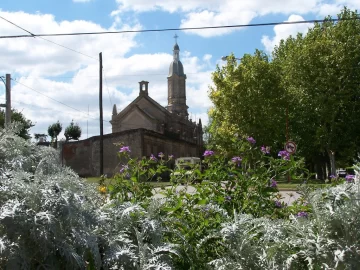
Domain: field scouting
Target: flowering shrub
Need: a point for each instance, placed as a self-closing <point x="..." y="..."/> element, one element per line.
<point x="327" y="238"/>
<point x="233" y="219"/>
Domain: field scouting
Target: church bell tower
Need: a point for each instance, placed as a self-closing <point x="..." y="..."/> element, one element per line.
<point x="177" y="85"/>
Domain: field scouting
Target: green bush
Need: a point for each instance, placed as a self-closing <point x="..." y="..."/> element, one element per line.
<point x="52" y="219"/>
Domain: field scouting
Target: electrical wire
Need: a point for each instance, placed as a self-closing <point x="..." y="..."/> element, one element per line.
<point x="68" y="48"/>
<point x="107" y="88"/>
<point x="62" y="103"/>
<point x="117" y="75"/>
<point x="178" y="29"/>
<point x="50" y="109"/>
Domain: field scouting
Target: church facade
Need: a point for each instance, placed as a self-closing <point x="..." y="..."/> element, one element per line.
<point x="172" y="120"/>
<point x="146" y="126"/>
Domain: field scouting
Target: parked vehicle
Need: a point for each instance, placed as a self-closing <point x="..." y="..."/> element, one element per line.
<point x="341" y="173"/>
<point x="185" y="168"/>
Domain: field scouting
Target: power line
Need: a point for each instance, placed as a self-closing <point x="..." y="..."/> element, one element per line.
<point x="45" y="108"/>
<point x="62" y="103"/>
<point x="117" y="75"/>
<point x="179" y="29"/>
<point x="67" y="48"/>
<point x="107" y="88"/>
<point x="33" y="35"/>
<point x="17" y="26"/>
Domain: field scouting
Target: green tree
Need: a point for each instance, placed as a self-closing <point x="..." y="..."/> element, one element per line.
<point x="39" y="136"/>
<point x="72" y="132"/>
<point x="248" y="101"/>
<point x="17" y="116"/>
<point x="314" y="76"/>
<point x="54" y="131"/>
<point x="320" y="72"/>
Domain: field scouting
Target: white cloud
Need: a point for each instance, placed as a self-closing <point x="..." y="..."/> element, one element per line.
<point x="199" y="13"/>
<point x="27" y="55"/>
<point x="72" y="78"/>
<point x="333" y="8"/>
<point x="166" y="5"/>
<point x="81" y="1"/>
<point x="283" y="31"/>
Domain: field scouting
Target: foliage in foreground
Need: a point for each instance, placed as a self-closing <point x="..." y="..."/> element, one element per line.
<point x="51" y="219"/>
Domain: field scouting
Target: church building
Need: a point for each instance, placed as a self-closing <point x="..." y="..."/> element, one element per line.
<point x="144" y="125"/>
<point x="171" y="121"/>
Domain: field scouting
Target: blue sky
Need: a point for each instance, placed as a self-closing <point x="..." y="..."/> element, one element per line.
<point x="72" y="78"/>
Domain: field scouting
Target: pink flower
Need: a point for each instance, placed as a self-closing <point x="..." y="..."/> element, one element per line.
<point x="236" y="160"/>
<point x="349" y="178"/>
<point x="273" y="183"/>
<point x="208" y="153"/>
<point x="153" y="158"/>
<point x="284" y="155"/>
<point x="265" y="149"/>
<point x="125" y="149"/>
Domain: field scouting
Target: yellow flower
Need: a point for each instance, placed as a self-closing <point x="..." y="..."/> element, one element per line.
<point x="102" y="189"/>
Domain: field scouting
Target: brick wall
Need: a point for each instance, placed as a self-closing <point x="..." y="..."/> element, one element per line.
<point x="83" y="156"/>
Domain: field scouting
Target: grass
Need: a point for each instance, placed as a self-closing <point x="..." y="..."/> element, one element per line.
<point x="292" y="185"/>
<point x="282" y="185"/>
<point x="96" y="180"/>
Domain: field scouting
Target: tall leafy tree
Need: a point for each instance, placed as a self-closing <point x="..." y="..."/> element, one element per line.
<point x="248" y="101"/>
<point x="17" y="116"/>
<point x="72" y="132"/>
<point x="54" y="131"/>
<point x="321" y="72"/>
<point x="315" y="77"/>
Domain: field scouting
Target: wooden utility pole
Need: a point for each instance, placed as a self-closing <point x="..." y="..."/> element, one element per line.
<point x="8" y="100"/>
<point x="101" y="119"/>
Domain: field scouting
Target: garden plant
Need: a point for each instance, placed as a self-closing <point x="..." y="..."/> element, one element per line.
<point x="52" y="219"/>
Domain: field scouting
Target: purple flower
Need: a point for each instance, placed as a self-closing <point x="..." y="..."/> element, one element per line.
<point x="251" y="140"/>
<point x="265" y="149"/>
<point x="153" y="158"/>
<point x="125" y="149"/>
<point x="278" y="204"/>
<point x="332" y="176"/>
<point x="208" y="153"/>
<point x="236" y="160"/>
<point x="161" y="155"/>
<point x="284" y="155"/>
<point x="124" y="168"/>
<point x="171" y="156"/>
<point x="273" y="183"/>
<point x="228" y="198"/>
<point x="302" y="214"/>
<point x="349" y="178"/>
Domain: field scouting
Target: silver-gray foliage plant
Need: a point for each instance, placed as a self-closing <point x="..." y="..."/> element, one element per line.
<point x="52" y="219"/>
<point x="329" y="238"/>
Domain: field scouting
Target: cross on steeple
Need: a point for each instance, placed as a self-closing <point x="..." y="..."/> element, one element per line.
<point x="176" y="37"/>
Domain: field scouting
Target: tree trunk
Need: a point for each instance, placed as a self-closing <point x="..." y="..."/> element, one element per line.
<point x="332" y="162"/>
<point x="318" y="169"/>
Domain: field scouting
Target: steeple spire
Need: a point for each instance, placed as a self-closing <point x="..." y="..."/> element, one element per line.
<point x="177" y="84"/>
<point x="176" y="37"/>
<point x="176" y="50"/>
